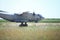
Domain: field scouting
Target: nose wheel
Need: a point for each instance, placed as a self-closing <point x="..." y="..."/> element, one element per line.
<point x="23" y="24"/>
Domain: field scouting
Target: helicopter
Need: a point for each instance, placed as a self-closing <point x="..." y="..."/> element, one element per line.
<point x="22" y="18"/>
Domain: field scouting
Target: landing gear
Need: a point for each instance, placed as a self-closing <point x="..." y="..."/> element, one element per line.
<point x="23" y="24"/>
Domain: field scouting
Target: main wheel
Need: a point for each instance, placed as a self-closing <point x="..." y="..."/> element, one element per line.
<point x="23" y="25"/>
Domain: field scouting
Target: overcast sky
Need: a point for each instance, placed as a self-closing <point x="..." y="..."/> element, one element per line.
<point x="47" y="8"/>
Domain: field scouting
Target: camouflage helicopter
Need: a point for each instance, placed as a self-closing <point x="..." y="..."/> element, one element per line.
<point x="22" y="18"/>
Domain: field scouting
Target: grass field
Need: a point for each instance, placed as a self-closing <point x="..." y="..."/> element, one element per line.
<point x="51" y="20"/>
<point x="46" y="20"/>
<point x="34" y="31"/>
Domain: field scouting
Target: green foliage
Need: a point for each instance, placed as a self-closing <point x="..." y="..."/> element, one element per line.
<point x="47" y="20"/>
<point x="1" y="20"/>
<point x="50" y="20"/>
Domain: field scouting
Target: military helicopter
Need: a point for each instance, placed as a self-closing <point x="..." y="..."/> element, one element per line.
<point x="22" y="18"/>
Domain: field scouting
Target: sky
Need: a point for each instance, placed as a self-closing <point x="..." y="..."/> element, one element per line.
<point x="47" y="8"/>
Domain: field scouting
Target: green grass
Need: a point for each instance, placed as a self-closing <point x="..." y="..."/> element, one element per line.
<point x="35" y="31"/>
<point x="50" y="20"/>
<point x="46" y="20"/>
<point x="47" y="29"/>
<point x="1" y="20"/>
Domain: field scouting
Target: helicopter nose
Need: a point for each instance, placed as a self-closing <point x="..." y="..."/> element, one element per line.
<point x="40" y="16"/>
